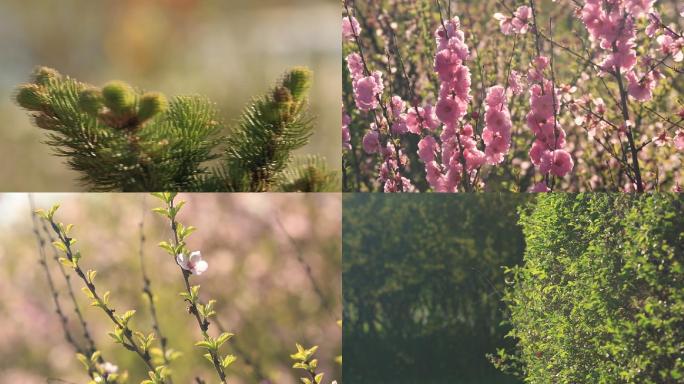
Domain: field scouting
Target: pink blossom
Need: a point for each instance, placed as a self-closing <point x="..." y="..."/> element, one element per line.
<point x="540" y="187"/>
<point x="349" y="29"/>
<point x="371" y="142"/>
<point x="625" y="57"/>
<point x="653" y="24"/>
<point x="367" y="90"/>
<point x="612" y="24"/>
<point x="546" y="152"/>
<point x="514" y="82"/>
<point x="558" y="162"/>
<point x="346" y="136"/>
<point x="474" y="158"/>
<point x="397" y="105"/>
<point x="427" y="119"/>
<point x="429" y="116"/>
<point x="521" y="21"/>
<point x="399" y="126"/>
<point x="446" y="63"/>
<point x="459" y="84"/>
<point x="497" y="132"/>
<point x="661" y="139"/>
<point x="427" y="147"/>
<point x="449" y="110"/>
<point x="505" y="22"/>
<point x="433" y="173"/>
<point x="496" y="96"/>
<point x="639" y="7"/>
<point x="542" y="103"/>
<point x="640" y="87"/>
<point x="412" y="121"/>
<point x="679" y="140"/>
<point x="193" y="264"/>
<point x="670" y="46"/>
<point x="518" y="23"/>
<point x="537" y="67"/>
<point x="355" y="65"/>
<point x="452" y="32"/>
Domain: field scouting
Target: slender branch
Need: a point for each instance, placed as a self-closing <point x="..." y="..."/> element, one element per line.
<point x="70" y="291"/>
<point x="307" y="268"/>
<point x="51" y="285"/>
<point x="64" y="320"/>
<point x="127" y="332"/>
<point x="628" y="131"/>
<point x="259" y="373"/>
<point x="383" y="107"/>
<point x="147" y="292"/>
<point x="203" y="323"/>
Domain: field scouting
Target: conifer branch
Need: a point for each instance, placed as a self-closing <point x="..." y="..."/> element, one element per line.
<point x="119" y="138"/>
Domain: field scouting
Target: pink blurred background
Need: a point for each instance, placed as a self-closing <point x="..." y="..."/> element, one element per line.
<point x="264" y="293"/>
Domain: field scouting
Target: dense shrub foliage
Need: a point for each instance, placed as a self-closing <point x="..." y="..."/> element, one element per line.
<point x="422" y="282"/>
<point x="600" y="297"/>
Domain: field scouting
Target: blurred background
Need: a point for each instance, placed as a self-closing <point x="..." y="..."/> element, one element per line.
<point x="258" y="248"/>
<point x="229" y="51"/>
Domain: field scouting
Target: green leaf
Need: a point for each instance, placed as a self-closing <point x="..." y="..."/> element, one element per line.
<point x="51" y="212"/>
<point x="207" y="344"/>
<point x="88" y="293"/>
<point x="228" y="360"/>
<point x="84" y="360"/>
<point x="65" y="262"/>
<point x="223" y="338"/>
<point x="41" y="213"/>
<point x="208" y="357"/>
<point x="60" y="246"/>
<point x="167" y="247"/>
<point x="91" y="275"/>
<point x="127" y="316"/>
<point x="162" y="211"/>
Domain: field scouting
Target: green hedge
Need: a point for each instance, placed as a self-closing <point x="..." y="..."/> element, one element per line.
<point x="423" y="282"/>
<point x="600" y="297"/>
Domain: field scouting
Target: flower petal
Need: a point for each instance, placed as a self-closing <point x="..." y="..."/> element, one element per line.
<point x="194" y="256"/>
<point x="200" y="267"/>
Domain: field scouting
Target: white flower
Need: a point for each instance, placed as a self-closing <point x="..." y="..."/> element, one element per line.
<point x="194" y="263"/>
<point x="109" y="368"/>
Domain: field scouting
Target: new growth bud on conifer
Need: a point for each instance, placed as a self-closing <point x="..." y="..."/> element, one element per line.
<point x="31" y="97"/>
<point x="298" y="81"/>
<point x="283" y="102"/>
<point x="151" y="104"/>
<point x="90" y="100"/>
<point x="118" y="96"/>
<point x="43" y="75"/>
<point x="282" y="95"/>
